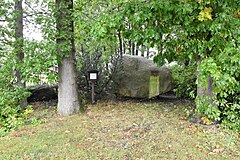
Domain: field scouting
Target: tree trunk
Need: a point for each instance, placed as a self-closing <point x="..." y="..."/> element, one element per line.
<point x="148" y="53"/>
<point x="120" y="43"/>
<point x="124" y="47"/>
<point x="133" y="48"/>
<point x="142" y="50"/>
<point x="137" y="49"/>
<point x="19" y="44"/>
<point x="204" y="91"/>
<point x="208" y="90"/>
<point x="130" y="47"/>
<point x="68" y="101"/>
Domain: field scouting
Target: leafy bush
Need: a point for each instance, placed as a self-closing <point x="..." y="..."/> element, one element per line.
<point x="107" y="67"/>
<point x="184" y="78"/>
<point x="205" y="107"/>
<point x="11" y="96"/>
<point x="225" y="72"/>
<point x="11" y="114"/>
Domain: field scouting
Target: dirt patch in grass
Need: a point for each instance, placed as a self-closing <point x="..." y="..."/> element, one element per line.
<point x="127" y="130"/>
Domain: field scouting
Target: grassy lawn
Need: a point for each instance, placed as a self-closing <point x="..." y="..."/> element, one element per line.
<point x="120" y="130"/>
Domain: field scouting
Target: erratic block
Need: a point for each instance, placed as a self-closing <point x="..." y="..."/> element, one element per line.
<point x="138" y="78"/>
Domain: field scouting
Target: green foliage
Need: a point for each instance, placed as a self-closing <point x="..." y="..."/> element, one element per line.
<point x="11" y="96"/>
<point x="39" y="59"/>
<point x="11" y="114"/>
<point x="220" y="60"/>
<point x="230" y="117"/>
<point x="225" y="72"/>
<point x="184" y="78"/>
<point x="104" y="87"/>
<point x="96" y="44"/>
<point x="205" y="107"/>
<point x="205" y="31"/>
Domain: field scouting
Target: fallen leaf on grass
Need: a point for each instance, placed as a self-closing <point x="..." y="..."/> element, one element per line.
<point x="90" y="139"/>
<point x="182" y="118"/>
<point x="79" y="145"/>
<point x="24" y="132"/>
<point x="217" y="150"/>
<point x="60" y="118"/>
<point x="67" y="144"/>
<point x="26" y="157"/>
<point x="189" y="155"/>
<point x="211" y="153"/>
<point x="67" y="131"/>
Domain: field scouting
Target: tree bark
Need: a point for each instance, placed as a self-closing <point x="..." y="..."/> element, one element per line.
<point x="207" y="90"/>
<point x="130" y="47"/>
<point x="19" y="44"/>
<point x="120" y="43"/>
<point x="124" y="46"/>
<point x="137" y="49"/>
<point x="133" y="48"/>
<point x="148" y="53"/>
<point x="68" y="100"/>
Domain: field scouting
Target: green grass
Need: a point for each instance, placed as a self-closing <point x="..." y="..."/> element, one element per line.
<point x="120" y="130"/>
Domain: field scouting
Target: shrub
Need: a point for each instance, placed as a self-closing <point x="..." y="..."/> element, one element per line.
<point x="107" y="68"/>
<point x="11" y="114"/>
<point x="184" y="78"/>
<point x="225" y="72"/>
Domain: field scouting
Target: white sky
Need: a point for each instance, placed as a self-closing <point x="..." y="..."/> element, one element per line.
<point x="32" y="33"/>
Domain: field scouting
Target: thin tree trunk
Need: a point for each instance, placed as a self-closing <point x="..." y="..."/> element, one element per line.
<point x="142" y="50"/>
<point x="19" y="43"/>
<point x="120" y="43"/>
<point x="124" y="47"/>
<point x="68" y="101"/>
<point x="130" y="46"/>
<point x="133" y="48"/>
<point x="137" y="49"/>
<point x="148" y="53"/>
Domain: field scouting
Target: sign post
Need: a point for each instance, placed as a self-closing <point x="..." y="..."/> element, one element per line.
<point x="93" y="77"/>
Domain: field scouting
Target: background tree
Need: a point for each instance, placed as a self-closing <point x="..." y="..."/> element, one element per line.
<point x="38" y="57"/>
<point x="19" y="44"/>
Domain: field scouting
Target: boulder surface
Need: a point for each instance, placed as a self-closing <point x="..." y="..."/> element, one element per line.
<point x="141" y="78"/>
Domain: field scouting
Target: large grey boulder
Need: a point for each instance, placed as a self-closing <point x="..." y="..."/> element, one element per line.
<point x="165" y="80"/>
<point x="141" y="78"/>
